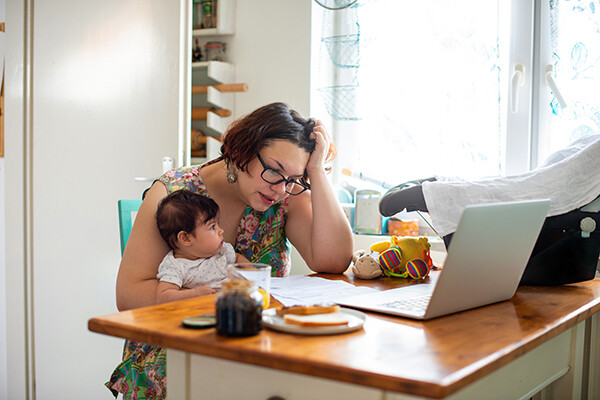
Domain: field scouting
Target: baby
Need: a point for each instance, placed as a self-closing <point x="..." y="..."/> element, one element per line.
<point x="197" y="262"/>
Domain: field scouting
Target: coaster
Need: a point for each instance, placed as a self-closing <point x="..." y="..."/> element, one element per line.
<point x="200" y="322"/>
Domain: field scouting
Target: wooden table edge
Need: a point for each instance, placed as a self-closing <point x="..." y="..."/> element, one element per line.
<point x="450" y="385"/>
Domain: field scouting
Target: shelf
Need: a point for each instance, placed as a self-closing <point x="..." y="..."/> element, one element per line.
<point x="225" y="20"/>
<point x="216" y="126"/>
<point x="219" y="99"/>
<point x="216" y="72"/>
<point x="205" y="32"/>
<point x="210" y="32"/>
<point x="213" y="150"/>
<point x="212" y="73"/>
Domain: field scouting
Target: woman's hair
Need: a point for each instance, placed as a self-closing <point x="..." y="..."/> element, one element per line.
<point x="181" y="211"/>
<point x="249" y="134"/>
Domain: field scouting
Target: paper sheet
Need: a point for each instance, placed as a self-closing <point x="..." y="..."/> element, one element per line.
<point x="303" y="290"/>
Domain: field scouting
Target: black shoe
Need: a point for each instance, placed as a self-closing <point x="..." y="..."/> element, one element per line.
<point x="408" y="195"/>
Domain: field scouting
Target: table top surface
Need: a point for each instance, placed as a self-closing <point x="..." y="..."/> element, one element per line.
<point x="428" y="358"/>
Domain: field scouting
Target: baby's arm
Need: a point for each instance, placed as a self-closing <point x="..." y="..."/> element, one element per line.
<point x="167" y="292"/>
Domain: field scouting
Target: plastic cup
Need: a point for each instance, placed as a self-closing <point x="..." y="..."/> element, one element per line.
<point x="259" y="273"/>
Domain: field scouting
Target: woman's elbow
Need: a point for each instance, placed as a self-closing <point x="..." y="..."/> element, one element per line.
<point x="122" y="304"/>
<point x="131" y="295"/>
<point x="123" y="301"/>
<point x="337" y="264"/>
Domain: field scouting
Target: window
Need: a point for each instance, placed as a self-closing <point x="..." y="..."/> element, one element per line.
<point x="573" y="50"/>
<point x="462" y="88"/>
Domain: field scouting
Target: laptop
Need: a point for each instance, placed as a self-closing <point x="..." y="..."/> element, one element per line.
<point x="486" y="258"/>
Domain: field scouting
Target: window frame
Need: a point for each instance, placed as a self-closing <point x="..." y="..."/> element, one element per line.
<point x="525" y="130"/>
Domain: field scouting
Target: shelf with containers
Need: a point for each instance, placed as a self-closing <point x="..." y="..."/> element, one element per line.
<point x="215" y="32"/>
<point x="221" y="17"/>
<point x="213" y="77"/>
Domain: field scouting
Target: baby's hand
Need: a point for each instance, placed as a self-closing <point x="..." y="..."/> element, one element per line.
<point x="204" y="290"/>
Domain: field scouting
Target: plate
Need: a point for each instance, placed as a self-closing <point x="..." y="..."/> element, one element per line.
<point x="276" y="322"/>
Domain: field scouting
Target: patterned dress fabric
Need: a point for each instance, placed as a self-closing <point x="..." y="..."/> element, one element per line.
<point x="260" y="238"/>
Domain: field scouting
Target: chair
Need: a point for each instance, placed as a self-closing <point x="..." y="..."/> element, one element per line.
<point x="127" y="212"/>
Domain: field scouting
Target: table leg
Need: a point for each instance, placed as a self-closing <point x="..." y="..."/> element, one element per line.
<point x="178" y="374"/>
<point x="594" y="356"/>
<point x="573" y="385"/>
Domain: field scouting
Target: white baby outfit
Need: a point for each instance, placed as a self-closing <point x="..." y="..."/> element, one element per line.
<point x="186" y="273"/>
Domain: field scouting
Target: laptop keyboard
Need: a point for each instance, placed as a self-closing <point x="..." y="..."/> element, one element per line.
<point x="412" y="304"/>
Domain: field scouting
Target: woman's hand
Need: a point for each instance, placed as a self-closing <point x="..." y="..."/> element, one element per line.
<point x="324" y="150"/>
<point x="240" y="258"/>
<point x="317" y="225"/>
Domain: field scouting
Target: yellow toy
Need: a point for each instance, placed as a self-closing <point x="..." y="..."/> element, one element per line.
<point x="412" y="247"/>
<point x="380" y="247"/>
<point x="400" y="257"/>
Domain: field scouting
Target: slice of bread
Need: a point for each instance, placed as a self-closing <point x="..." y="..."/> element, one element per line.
<point x="314" y="320"/>
<point x="308" y="310"/>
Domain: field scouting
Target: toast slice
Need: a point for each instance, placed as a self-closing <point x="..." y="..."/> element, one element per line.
<point x="314" y="320"/>
<point x="308" y="310"/>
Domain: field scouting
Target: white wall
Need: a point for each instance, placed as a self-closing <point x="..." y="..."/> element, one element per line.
<point x="271" y="53"/>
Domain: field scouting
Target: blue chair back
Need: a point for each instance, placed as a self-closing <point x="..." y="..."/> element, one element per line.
<point x="127" y="212"/>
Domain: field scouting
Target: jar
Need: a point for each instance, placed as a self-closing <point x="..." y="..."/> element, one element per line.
<point x="197" y="15"/>
<point x="215" y="51"/>
<point x="239" y="308"/>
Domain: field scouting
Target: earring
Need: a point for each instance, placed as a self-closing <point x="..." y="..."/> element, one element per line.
<point x="232" y="176"/>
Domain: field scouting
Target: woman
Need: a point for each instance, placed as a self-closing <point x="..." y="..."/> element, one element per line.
<point x="270" y="184"/>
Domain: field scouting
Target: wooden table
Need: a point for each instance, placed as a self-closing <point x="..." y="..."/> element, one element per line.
<point x="543" y="338"/>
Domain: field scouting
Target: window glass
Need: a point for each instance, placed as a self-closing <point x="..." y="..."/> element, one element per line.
<point x="575" y="41"/>
<point x="426" y="96"/>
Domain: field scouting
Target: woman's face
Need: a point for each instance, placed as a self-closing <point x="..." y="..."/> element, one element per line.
<point x="282" y="156"/>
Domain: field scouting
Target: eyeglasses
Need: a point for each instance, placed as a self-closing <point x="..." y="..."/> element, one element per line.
<point x="292" y="186"/>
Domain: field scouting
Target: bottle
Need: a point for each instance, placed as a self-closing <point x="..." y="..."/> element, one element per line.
<point x="197" y="15"/>
<point x="239" y="308"/>
<point x="207" y="14"/>
<point x="196" y="52"/>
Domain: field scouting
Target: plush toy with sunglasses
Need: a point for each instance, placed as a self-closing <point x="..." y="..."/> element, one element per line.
<point x="402" y="257"/>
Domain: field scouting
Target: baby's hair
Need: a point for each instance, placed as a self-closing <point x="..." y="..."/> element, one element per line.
<point x="181" y="211"/>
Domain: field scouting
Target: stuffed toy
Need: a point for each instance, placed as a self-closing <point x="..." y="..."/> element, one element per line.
<point x="401" y="257"/>
<point x="365" y="266"/>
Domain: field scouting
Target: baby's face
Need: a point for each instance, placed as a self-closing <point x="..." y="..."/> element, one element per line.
<point x="207" y="239"/>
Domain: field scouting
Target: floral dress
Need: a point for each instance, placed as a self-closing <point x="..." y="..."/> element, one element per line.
<point x="260" y="238"/>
